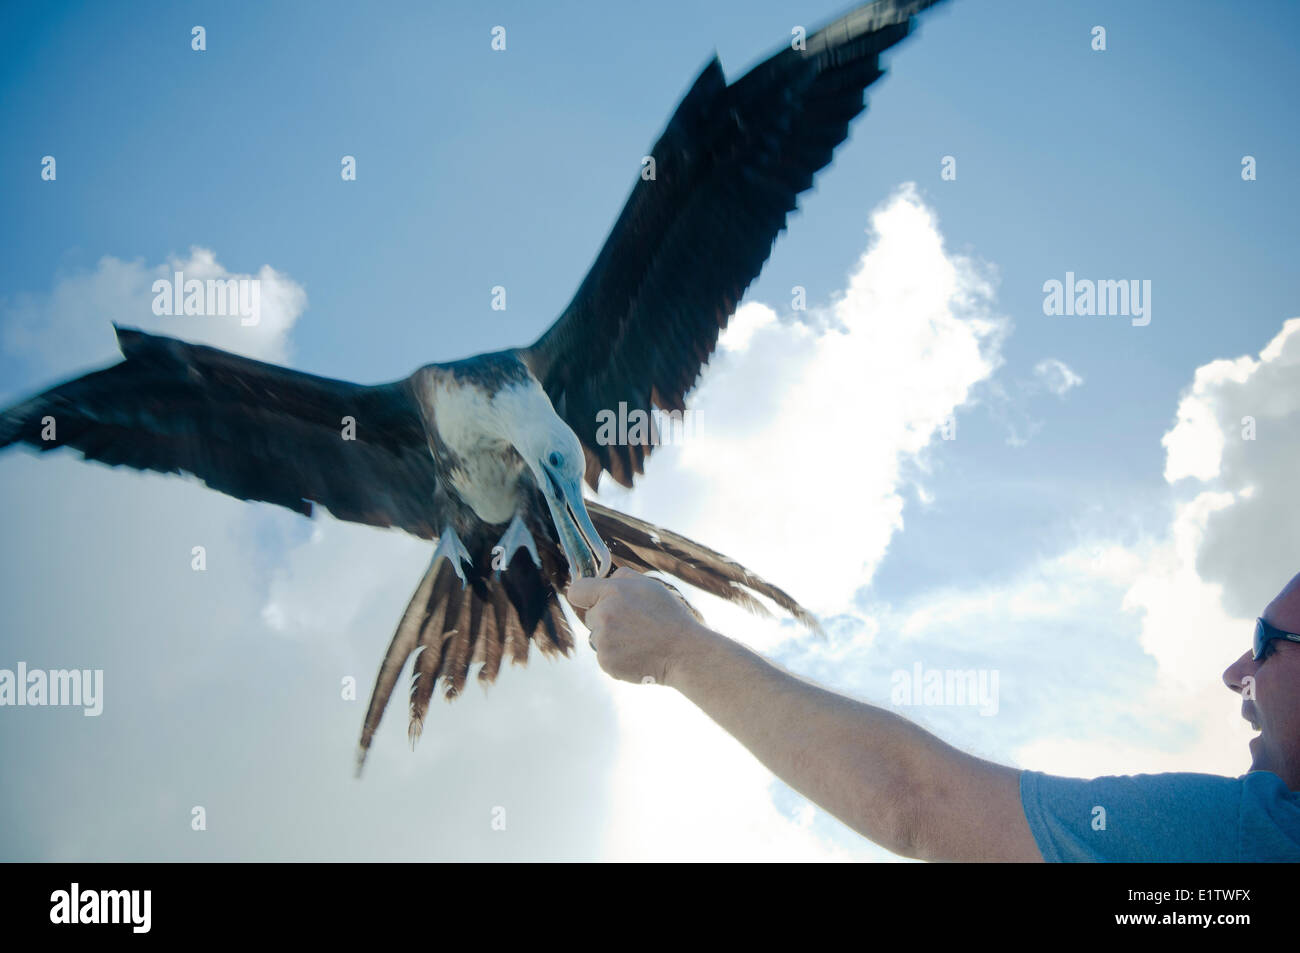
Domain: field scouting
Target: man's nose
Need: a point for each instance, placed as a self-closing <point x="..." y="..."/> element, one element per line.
<point x="1235" y="674"/>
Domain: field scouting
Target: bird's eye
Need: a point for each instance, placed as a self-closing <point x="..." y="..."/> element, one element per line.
<point x="555" y="459"/>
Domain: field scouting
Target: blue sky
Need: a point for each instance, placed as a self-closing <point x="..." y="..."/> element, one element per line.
<point x="479" y="168"/>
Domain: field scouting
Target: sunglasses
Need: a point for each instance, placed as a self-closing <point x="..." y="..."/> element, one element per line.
<point x="1265" y="633"/>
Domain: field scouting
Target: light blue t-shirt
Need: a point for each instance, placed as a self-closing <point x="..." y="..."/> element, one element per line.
<point x="1154" y="817"/>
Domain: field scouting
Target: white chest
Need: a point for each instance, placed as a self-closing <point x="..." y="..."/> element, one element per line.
<point x="486" y="468"/>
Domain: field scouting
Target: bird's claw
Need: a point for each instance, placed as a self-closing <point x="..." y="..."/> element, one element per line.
<point x="515" y="537"/>
<point x="450" y="547"/>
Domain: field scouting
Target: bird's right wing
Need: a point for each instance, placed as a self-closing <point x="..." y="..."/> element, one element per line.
<point x="690" y="239"/>
<point x="249" y="429"/>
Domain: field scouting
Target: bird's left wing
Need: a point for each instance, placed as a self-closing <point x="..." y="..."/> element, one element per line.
<point x="249" y="429"/>
<point x="690" y="240"/>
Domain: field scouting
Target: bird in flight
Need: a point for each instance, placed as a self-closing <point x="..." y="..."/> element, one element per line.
<point x="488" y="455"/>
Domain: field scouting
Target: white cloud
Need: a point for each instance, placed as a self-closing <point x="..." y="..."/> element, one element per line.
<point x="1237" y="431"/>
<point x="829" y="412"/>
<point x="1056" y="376"/>
<point x="1180" y="717"/>
<point x="71" y="327"/>
<point x="1194" y="447"/>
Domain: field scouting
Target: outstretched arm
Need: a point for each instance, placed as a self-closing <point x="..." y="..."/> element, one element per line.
<point x="885" y="777"/>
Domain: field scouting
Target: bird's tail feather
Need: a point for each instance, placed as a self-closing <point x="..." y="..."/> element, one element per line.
<point x="644" y="546"/>
<point x="449" y="627"/>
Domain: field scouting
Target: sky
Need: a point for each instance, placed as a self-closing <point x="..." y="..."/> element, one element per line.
<point x="1073" y="507"/>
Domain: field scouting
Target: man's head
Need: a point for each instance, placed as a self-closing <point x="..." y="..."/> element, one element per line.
<point x="1270" y="690"/>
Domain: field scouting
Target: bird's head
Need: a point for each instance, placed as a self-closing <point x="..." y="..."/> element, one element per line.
<point x="554" y="455"/>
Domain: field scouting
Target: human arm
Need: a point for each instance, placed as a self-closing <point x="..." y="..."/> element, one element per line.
<point x="885" y="777"/>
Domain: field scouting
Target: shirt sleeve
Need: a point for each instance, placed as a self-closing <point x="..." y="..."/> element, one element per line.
<point x="1162" y="817"/>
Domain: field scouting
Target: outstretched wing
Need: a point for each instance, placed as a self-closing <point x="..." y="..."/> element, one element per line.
<point x="690" y="241"/>
<point x="253" y="430"/>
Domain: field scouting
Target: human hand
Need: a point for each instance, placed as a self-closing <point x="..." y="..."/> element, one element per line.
<point x="639" y="626"/>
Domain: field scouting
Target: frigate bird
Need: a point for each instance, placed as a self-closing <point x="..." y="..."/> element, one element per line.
<point x="488" y="455"/>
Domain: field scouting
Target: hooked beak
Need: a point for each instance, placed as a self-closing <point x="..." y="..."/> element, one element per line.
<point x="586" y="551"/>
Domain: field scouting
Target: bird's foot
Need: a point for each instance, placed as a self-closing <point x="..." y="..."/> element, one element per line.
<point x="450" y="546"/>
<point x="516" y="537"/>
